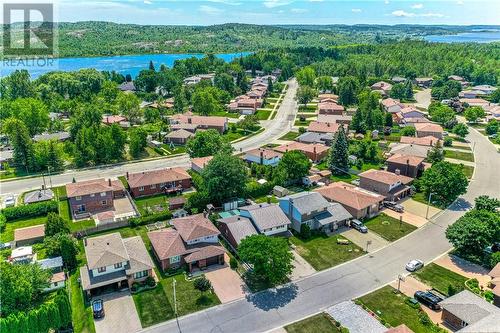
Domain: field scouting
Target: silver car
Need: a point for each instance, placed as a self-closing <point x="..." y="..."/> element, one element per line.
<point x="414" y="265"/>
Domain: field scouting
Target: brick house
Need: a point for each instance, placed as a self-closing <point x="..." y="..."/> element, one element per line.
<point x="392" y="105"/>
<point x="329" y="107"/>
<point x="422" y="141"/>
<point x="219" y="124"/>
<point x="263" y="156"/>
<point x="192" y="240"/>
<point x="93" y="196"/>
<point x="178" y="137"/>
<point x="315" y="151"/>
<point x="29" y="235"/>
<point x="429" y="129"/>
<point x="323" y="127"/>
<point x="158" y="181"/>
<point x="392" y="186"/>
<point x="199" y="163"/>
<point x="236" y="228"/>
<point x="382" y="87"/>
<point x="406" y="165"/>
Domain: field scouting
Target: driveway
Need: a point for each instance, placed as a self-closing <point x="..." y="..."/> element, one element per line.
<point x="360" y="239"/>
<point x="423" y="98"/>
<point x="355" y="318"/>
<point x="418" y="208"/>
<point x="227" y="284"/>
<point x="464" y="268"/>
<point x="301" y="267"/>
<point x="120" y="314"/>
<point x="408" y="217"/>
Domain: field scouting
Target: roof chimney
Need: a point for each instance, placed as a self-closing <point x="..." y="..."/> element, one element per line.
<point x="261" y="156"/>
<point x="109" y="181"/>
<point x="397" y="172"/>
<point x="408" y="161"/>
<point x="189" y="120"/>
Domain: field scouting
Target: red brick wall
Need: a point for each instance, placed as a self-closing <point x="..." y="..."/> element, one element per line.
<point x="185" y="184"/>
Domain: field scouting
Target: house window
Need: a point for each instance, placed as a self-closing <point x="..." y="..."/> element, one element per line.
<point x="92" y="195"/>
<point x="101" y="269"/>
<point x="153" y="186"/>
<point x="141" y="188"/>
<point x="142" y="274"/>
<point x="103" y="194"/>
<point x="118" y="265"/>
<point x="175" y="259"/>
<point x="162" y="185"/>
<point x="104" y="202"/>
<point x="55" y="284"/>
<point x="78" y="198"/>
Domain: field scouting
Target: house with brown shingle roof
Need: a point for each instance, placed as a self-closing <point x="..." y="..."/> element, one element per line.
<point x="160" y="181"/>
<point x="314" y="151"/>
<point x="392" y="186"/>
<point x="199" y="163"/>
<point x="29" y="235"/>
<point x="382" y="87"/>
<point x="406" y="165"/>
<point x="422" y="141"/>
<point x="322" y="127"/>
<point x="178" y="137"/>
<point x="360" y="203"/>
<point x="263" y="156"/>
<point x="203" y="122"/>
<point x="192" y="240"/>
<point x="429" y="129"/>
<point x="495" y="283"/>
<point x="392" y="105"/>
<point x="328" y="107"/>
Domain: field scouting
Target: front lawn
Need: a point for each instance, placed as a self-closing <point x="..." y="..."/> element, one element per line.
<point x="394" y="309"/>
<point x="388" y="227"/>
<point x="298" y="122"/>
<point x="323" y="252"/>
<point x="8" y="234"/>
<point x="320" y="323"/>
<point x="153" y="306"/>
<point x="309" y="108"/>
<point x="422" y="198"/>
<point x="290" y="136"/>
<point x="441" y="278"/>
<point x="155" y="203"/>
<point x="83" y="321"/>
<point x="459" y="155"/>
<point x="468" y="171"/>
<point x="263" y="114"/>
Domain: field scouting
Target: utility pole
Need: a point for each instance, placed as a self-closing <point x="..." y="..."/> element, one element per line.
<point x="368" y="242"/>
<point x="400" y="278"/>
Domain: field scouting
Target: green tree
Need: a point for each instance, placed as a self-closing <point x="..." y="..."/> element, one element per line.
<point x="357" y="124"/>
<point x="461" y="130"/>
<point x="484" y="202"/>
<point x="180" y="100"/>
<point x="204" y="102"/>
<point x="270" y="257"/>
<point x="408" y="89"/>
<point x="208" y="143"/>
<point x="442" y="114"/>
<point x="348" y="90"/>
<point x="32" y="112"/>
<point x="116" y="139"/>
<point x="64" y="245"/>
<point x="492" y="127"/>
<point x="129" y="106"/>
<point x="305" y="94"/>
<point x="53" y="316"/>
<point x="43" y="322"/>
<point x="21" y="142"/>
<point x="33" y="324"/>
<point x="48" y="155"/>
<point x="17" y="85"/>
<point x="224" y="177"/>
<point x="306" y="76"/>
<point x="224" y="82"/>
<point x="472" y="114"/>
<point x="398" y="91"/>
<point x="55" y="224"/>
<point x="408" y="131"/>
<point x="292" y="166"/>
<point x="152" y="115"/>
<point x="324" y="83"/>
<point x="495" y="96"/>
<point x="338" y="158"/>
<point x="146" y="81"/>
<point x="388" y="121"/>
<point x="445" y="180"/>
<point x="64" y="308"/>
<point x="202" y="284"/>
<point x="137" y="141"/>
<point x="435" y="154"/>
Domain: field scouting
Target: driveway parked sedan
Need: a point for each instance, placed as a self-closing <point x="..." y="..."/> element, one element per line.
<point x="428" y="299"/>
<point x="359" y="226"/>
<point x="414" y="265"/>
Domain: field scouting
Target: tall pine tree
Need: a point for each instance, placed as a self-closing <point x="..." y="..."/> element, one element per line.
<point x="338" y="159"/>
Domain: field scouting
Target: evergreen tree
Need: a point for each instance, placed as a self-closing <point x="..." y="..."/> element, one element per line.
<point x="54" y="316"/>
<point x="55" y="224"/>
<point x="357" y="123"/>
<point x="270" y="86"/>
<point x="435" y="154"/>
<point x="43" y="319"/>
<point x="22" y="322"/>
<point x="21" y="142"/>
<point x="180" y="101"/>
<point x="32" y="322"/>
<point x="338" y="159"/>
<point x="64" y="309"/>
<point x="151" y="66"/>
<point x="408" y="89"/>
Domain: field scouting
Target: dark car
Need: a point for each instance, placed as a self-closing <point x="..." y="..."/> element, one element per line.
<point x="359" y="226"/>
<point x="428" y="299"/>
<point x="394" y="206"/>
<point x="98" y="308"/>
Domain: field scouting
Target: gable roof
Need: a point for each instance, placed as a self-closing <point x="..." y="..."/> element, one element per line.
<point x="92" y="186"/>
<point x="139" y="256"/>
<point x="406" y="159"/>
<point x="105" y="250"/>
<point x="409" y="149"/>
<point x="314" y="137"/>
<point x="37" y="231"/>
<point x="306" y="202"/>
<point x="38" y="195"/>
<point x="304" y="147"/>
<point x="428" y="127"/>
<point x="201" y="162"/>
<point x="334" y="213"/>
<point x="349" y="195"/>
<point x="389" y="102"/>
<point x="179" y="134"/>
<point x="200" y="252"/>
<point x="167" y="243"/>
<point x="266" y="153"/>
<point x="323" y="127"/>
<point x="239" y="226"/>
<point x="194" y="227"/>
<point x="157" y="177"/>
<point x="266" y="216"/>
<point x="423" y="141"/>
<point x="330" y="106"/>
<point x="200" y="120"/>
<point x="385" y="177"/>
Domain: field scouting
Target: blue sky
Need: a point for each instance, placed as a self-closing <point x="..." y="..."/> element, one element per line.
<point x="209" y="12"/>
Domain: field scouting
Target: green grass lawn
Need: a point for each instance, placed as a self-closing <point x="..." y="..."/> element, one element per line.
<point x="81" y="225"/>
<point x="422" y="198"/>
<point x="389" y="227"/>
<point x="468" y="171"/>
<point x="440" y="278"/>
<point x="459" y="155"/>
<point x="83" y="321"/>
<point x="153" y="306"/>
<point x="394" y="309"/>
<point x="461" y="147"/>
<point x="323" y="252"/>
<point x="64" y="210"/>
<point x="145" y="202"/>
<point x="290" y="136"/>
<point x="302" y="123"/>
<point x="263" y="114"/>
<point x="309" y="108"/>
<point x="263" y="199"/>
<point x="8" y="234"/>
<point x="320" y="323"/>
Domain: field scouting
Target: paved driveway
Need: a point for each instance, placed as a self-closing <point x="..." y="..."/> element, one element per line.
<point x="227" y="284"/>
<point x="120" y="314"/>
<point x="418" y="208"/>
<point x="354" y="318"/>
<point x="408" y="217"/>
<point x="464" y="268"/>
<point x="361" y="239"/>
<point x="301" y="267"/>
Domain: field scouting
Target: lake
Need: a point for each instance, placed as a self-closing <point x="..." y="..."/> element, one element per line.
<point x="126" y="64"/>
<point x="468" y="37"/>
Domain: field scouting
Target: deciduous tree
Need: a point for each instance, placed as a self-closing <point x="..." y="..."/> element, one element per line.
<point x="292" y="166"/>
<point x="208" y="143"/>
<point x="445" y="180"/>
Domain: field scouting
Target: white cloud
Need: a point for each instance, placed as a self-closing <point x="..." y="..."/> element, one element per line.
<point x="276" y="3"/>
<point x="209" y="10"/>
<point x="226" y="2"/>
<point x="460" y="2"/>
<point x="356" y="10"/>
<point x="402" y="13"/>
<point x="386" y="2"/>
<point x="147" y="2"/>
<point x="432" y="15"/>
<point x="417" y="6"/>
<point x="299" y="10"/>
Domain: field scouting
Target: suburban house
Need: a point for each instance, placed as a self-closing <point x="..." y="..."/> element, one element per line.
<point x="471" y="94"/>
<point x="332" y="118"/>
<point x="428" y="129"/>
<point x="127" y="86"/>
<point x="467" y="312"/>
<point x="406" y="165"/>
<point x="158" y="181"/>
<point x="399" y="329"/>
<point x="55" y="265"/>
<point x="314" y="137"/>
<point x="115" y="119"/>
<point x="382" y="87"/>
<point x="486" y="88"/>
<point x="203" y="122"/>
<point x="114" y="261"/>
<point x="199" y="163"/>
<point x="268" y="219"/>
<point x="93" y="196"/>
<point x="58" y="136"/>
<point x="188" y="127"/>
<point x="38" y="196"/>
<point x="22" y="255"/>
<point x="398" y="79"/>
<point x="360" y="203"/>
<point x="329" y="107"/>
<point x="422" y="141"/>
<point x="474" y="101"/>
<point x="423" y="82"/>
<point x="236" y="228"/>
<point x="392" y="105"/>
<point x="495" y="284"/>
<point x="263" y="156"/>
<point x="316" y="151"/>
<point x="28" y="235"/>
<point x="178" y="137"/>
<point x="245" y="105"/>
<point x="330" y="97"/>
<point x="192" y="240"/>
<point x="311" y="209"/>
<point x="409" y="149"/>
<point x="198" y="78"/>
<point x="409" y="115"/>
<point x="392" y="186"/>
<point x="319" y="127"/>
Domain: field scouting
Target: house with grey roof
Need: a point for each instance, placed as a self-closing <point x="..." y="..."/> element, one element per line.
<point x="236" y="228"/>
<point x="58" y="278"/>
<point x="314" y="137"/>
<point x="467" y="312"/>
<point x="312" y="209"/>
<point x="268" y="219"/>
<point x="59" y="136"/>
<point x="38" y="196"/>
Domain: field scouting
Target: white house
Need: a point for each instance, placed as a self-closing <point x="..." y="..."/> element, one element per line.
<point x="263" y="156"/>
<point x="268" y="219"/>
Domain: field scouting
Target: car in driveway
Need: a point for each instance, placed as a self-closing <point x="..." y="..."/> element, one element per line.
<point x="359" y="226"/>
<point x="392" y="205"/>
<point x="414" y="265"/>
<point x="98" y="308"/>
<point x="10" y="201"/>
<point x="428" y="299"/>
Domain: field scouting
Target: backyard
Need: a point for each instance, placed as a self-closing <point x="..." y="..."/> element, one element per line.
<point x="151" y="203"/>
<point x="441" y="278"/>
<point x="320" y="323"/>
<point x="388" y="227"/>
<point x="323" y="252"/>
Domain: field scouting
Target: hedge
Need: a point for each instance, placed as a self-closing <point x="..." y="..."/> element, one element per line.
<point x="142" y="220"/>
<point x="31" y="210"/>
<point x="255" y="190"/>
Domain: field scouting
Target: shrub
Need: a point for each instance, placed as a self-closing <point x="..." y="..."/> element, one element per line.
<point x="451" y="290"/>
<point x="494" y="259"/>
<point x="448" y="141"/>
<point x="2" y="222"/>
<point x="424" y="319"/>
<point x="305" y="231"/>
<point x="142" y="220"/>
<point x="302" y="130"/>
<point x="135" y="286"/>
<point x="150" y="281"/>
<point x="488" y="295"/>
<point x="254" y="189"/>
<point x="31" y="210"/>
<point x="233" y="263"/>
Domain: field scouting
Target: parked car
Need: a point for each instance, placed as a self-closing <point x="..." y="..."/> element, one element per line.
<point x="10" y="201"/>
<point x="4" y="245"/>
<point x="428" y="299"/>
<point x="495" y="247"/>
<point x="359" y="226"/>
<point x="445" y="133"/>
<point x="414" y="265"/>
<point x="394" y="206"/>
<point x="98" y="308"/>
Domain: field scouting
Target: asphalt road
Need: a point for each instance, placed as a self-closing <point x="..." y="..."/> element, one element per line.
<point x="274" y="129"/>
<point x="275" y="308"/>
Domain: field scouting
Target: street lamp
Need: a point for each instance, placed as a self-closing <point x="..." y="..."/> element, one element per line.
<point x="428" y="204"/>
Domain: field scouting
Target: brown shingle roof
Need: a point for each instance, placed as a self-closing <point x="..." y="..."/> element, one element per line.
<point x="428" y="127"/>
<point x="37" y="231"/>
<point x="194" y="227"/>
<point x="304" y="147"/>
<point x="92" y="186"/>
<point x="201" y="162"/>
<point x="495" y="272"/>
<point x="385" y="177"/>
<point x="179" y="134"/>
<point x="349" y="195"/>
<point x="105" y="250"/>
<point x="157" y="177"/>
<point x="113" y="119"/>
<point x="330" y="106"/>
<point x="423" y="141"/>
<point x="400" y="329"/>
<point x="167" y="243"/>
<point x="200" y="120"/>
<point x="139" y="256"/>
<point x="321" y="127"/>
<point x="406" y="159"/>
<point x="204" y="252"/>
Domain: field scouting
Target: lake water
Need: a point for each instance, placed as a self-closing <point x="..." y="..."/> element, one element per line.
<point x="469" y="37"/>
<point x="127" y="64"/>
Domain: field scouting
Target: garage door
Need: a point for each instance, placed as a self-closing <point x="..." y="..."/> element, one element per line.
<point x="212" y="261"/>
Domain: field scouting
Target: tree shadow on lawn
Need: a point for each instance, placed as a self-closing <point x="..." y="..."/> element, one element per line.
<point x="274" y="298"/>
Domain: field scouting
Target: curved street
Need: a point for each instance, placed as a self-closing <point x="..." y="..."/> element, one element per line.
<point x="275" y="308"/>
